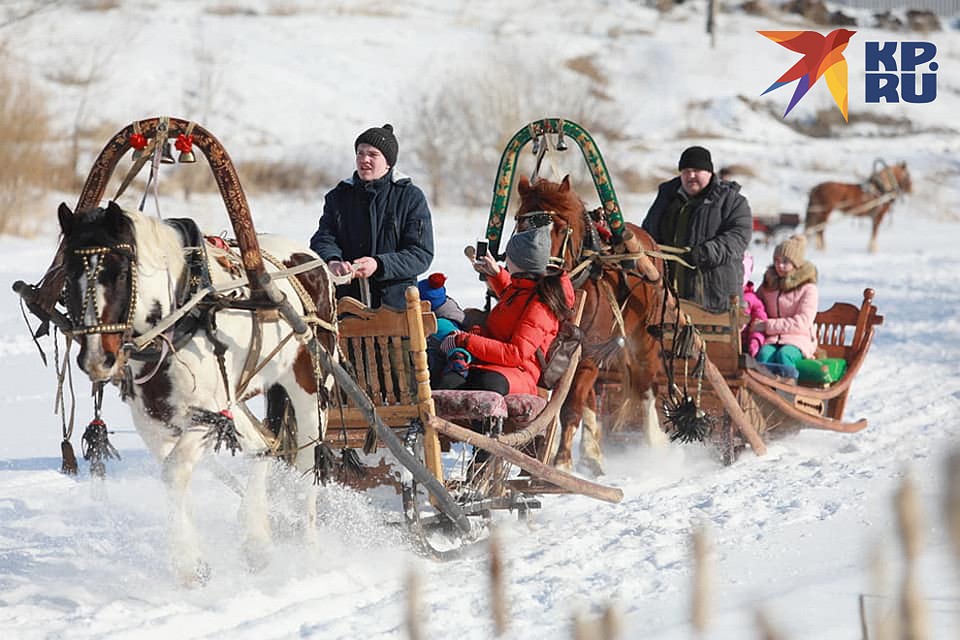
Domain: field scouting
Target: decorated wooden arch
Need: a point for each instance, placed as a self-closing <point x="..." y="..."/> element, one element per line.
<point x="566" y="130"/>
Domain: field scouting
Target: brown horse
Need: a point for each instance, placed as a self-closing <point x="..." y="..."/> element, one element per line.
<point x="622" y="347"/>
<point x="873" y="199"/>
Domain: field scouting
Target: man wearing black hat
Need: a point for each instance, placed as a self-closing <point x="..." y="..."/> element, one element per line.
<point x="376" y="224"/>
<point x="710" y="216"/>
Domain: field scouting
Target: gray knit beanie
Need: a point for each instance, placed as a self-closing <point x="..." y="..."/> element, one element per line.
<point x="530" y="250"/>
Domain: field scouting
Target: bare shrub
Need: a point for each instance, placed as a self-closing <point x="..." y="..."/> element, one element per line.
<point x="285" y="175"/>
<point x="584" y="65"/>
<point x="98" y="5"/>
<point x="225" y="9"/>
<point x="24" y="133"/>
<point x="462" y="124"/>
<point x="630" y="180"/>
<point x="284" y="9"/>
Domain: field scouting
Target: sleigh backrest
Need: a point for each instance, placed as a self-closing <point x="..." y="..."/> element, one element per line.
<point x="843" y="329"/>
<point x="386" y="351"/>
<point x="720" y="332"/>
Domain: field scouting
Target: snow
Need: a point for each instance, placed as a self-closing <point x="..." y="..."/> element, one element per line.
<point x="792" y="532"/>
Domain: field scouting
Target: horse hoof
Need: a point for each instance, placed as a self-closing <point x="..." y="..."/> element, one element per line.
<point x="197" y="576"/>
<point x="591" y="467"/>
<point x="257" y="559"/>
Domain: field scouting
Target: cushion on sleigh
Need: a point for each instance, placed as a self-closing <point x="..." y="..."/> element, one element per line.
<point x="822" y="371"/>
<point x="469" y="405"/>
<point x="524" y="407"/>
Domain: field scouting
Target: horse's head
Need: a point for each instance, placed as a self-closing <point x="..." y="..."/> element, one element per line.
<point x="100" y="261"/>
<point x="903" y="177"/>
<point x="545" y="201"/>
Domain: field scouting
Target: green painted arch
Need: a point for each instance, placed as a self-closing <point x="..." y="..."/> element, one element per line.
<point x="502" y="186"/>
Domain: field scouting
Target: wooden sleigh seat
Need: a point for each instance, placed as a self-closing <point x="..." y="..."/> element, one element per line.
<point x="386" y="350"/>
<point x="844" y="331"/>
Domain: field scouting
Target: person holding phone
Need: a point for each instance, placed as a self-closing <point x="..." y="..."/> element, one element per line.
<point x="533" y="300"/>
<point x="376" y="225"/>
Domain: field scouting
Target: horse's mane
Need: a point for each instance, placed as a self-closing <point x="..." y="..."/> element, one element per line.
<point x="157" y="244"/>
<point x="544" y="195"/>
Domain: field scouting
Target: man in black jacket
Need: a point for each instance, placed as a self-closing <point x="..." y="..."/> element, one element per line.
<point x="710" y="216"/>
<point x="376" y="225"/>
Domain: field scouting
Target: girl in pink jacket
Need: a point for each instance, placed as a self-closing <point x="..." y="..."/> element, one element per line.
<point x="789" y="293"/>
<point x="751" y="338"/>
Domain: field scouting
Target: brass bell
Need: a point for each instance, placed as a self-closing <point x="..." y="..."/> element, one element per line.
<point x="167" y="157"/>
<point x="186" y="157"/>
<point x="561" y="142"/>
<point x="536" y="145"/>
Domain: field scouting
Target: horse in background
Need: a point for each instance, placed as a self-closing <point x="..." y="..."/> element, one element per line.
<point x="609" y="347"/>
<point x="872" y="199"/>
<point x="125" y="273"/>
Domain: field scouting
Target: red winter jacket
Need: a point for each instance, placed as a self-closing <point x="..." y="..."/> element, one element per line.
<point x="515" y="328"/>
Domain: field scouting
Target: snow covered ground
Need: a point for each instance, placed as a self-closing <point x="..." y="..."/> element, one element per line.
<point x="792" y="532"/>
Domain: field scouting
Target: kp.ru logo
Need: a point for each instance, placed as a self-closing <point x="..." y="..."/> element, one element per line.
<point x="823" y="56"/>
<point x="882" y="81"/>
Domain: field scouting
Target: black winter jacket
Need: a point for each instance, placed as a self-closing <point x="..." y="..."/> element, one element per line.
<point x="720" y="228"/>
<point x="387" y="219"/>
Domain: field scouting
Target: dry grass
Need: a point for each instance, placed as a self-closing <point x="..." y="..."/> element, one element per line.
<point x="98" y="5"/>
<point x="225" y="9"/>
<point x="72" y="77"/>
<point x="25" y="133"/>
<point x="291" y="176"/>
<point x="284" y="9"/>
<point x="585" y="66"/>
<point x="630" y="180"/>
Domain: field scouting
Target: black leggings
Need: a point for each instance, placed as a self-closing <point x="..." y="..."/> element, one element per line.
<point x="476" y="380"/>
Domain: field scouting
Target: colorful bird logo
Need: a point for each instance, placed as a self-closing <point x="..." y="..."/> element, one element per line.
<point x="822" y="56"/>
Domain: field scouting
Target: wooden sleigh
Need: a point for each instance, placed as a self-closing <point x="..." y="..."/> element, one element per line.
<point x="382" y="397"/>
<point x="386" y="352"/>
<point x="771" y="402"/>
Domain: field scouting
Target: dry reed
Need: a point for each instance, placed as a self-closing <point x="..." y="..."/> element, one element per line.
<point x="498" y="597"/>
<point x="414" y="610"/>
<point x="910" y="524"/>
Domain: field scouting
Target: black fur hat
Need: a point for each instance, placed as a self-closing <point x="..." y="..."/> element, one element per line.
<point x="383" y="139"/>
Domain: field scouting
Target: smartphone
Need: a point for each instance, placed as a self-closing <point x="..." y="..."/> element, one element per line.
<point x="481" y="252"/>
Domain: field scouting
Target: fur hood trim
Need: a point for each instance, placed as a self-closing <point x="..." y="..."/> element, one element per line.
<point x="800" y="276"/>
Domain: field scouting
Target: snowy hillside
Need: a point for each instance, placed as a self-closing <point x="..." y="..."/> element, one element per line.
<point x="792" y="532"/>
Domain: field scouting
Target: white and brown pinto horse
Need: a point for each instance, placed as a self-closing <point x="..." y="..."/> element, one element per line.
<point x="125" y="273"/>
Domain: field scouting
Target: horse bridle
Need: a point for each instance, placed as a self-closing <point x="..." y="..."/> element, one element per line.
<point x="92" y="272"/>
<point x="542" y="219"/>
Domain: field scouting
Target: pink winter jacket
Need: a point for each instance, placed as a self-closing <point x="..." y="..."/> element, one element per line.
<point x="791" y="308"/>
<point x="754" y="309"/>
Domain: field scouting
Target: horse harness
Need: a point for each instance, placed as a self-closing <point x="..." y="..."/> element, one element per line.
<point x="196" y="291"/>
<point x="591" y="258"/>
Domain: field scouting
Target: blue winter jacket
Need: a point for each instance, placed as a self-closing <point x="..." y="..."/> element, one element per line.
<point x="387" y="219"/>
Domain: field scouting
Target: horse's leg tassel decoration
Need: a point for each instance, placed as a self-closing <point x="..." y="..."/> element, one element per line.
<point x="96" y="447"/>
<point x="223" y="429"/>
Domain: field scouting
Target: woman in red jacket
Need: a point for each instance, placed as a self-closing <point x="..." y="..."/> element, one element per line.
<point x="532" y="302"/>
